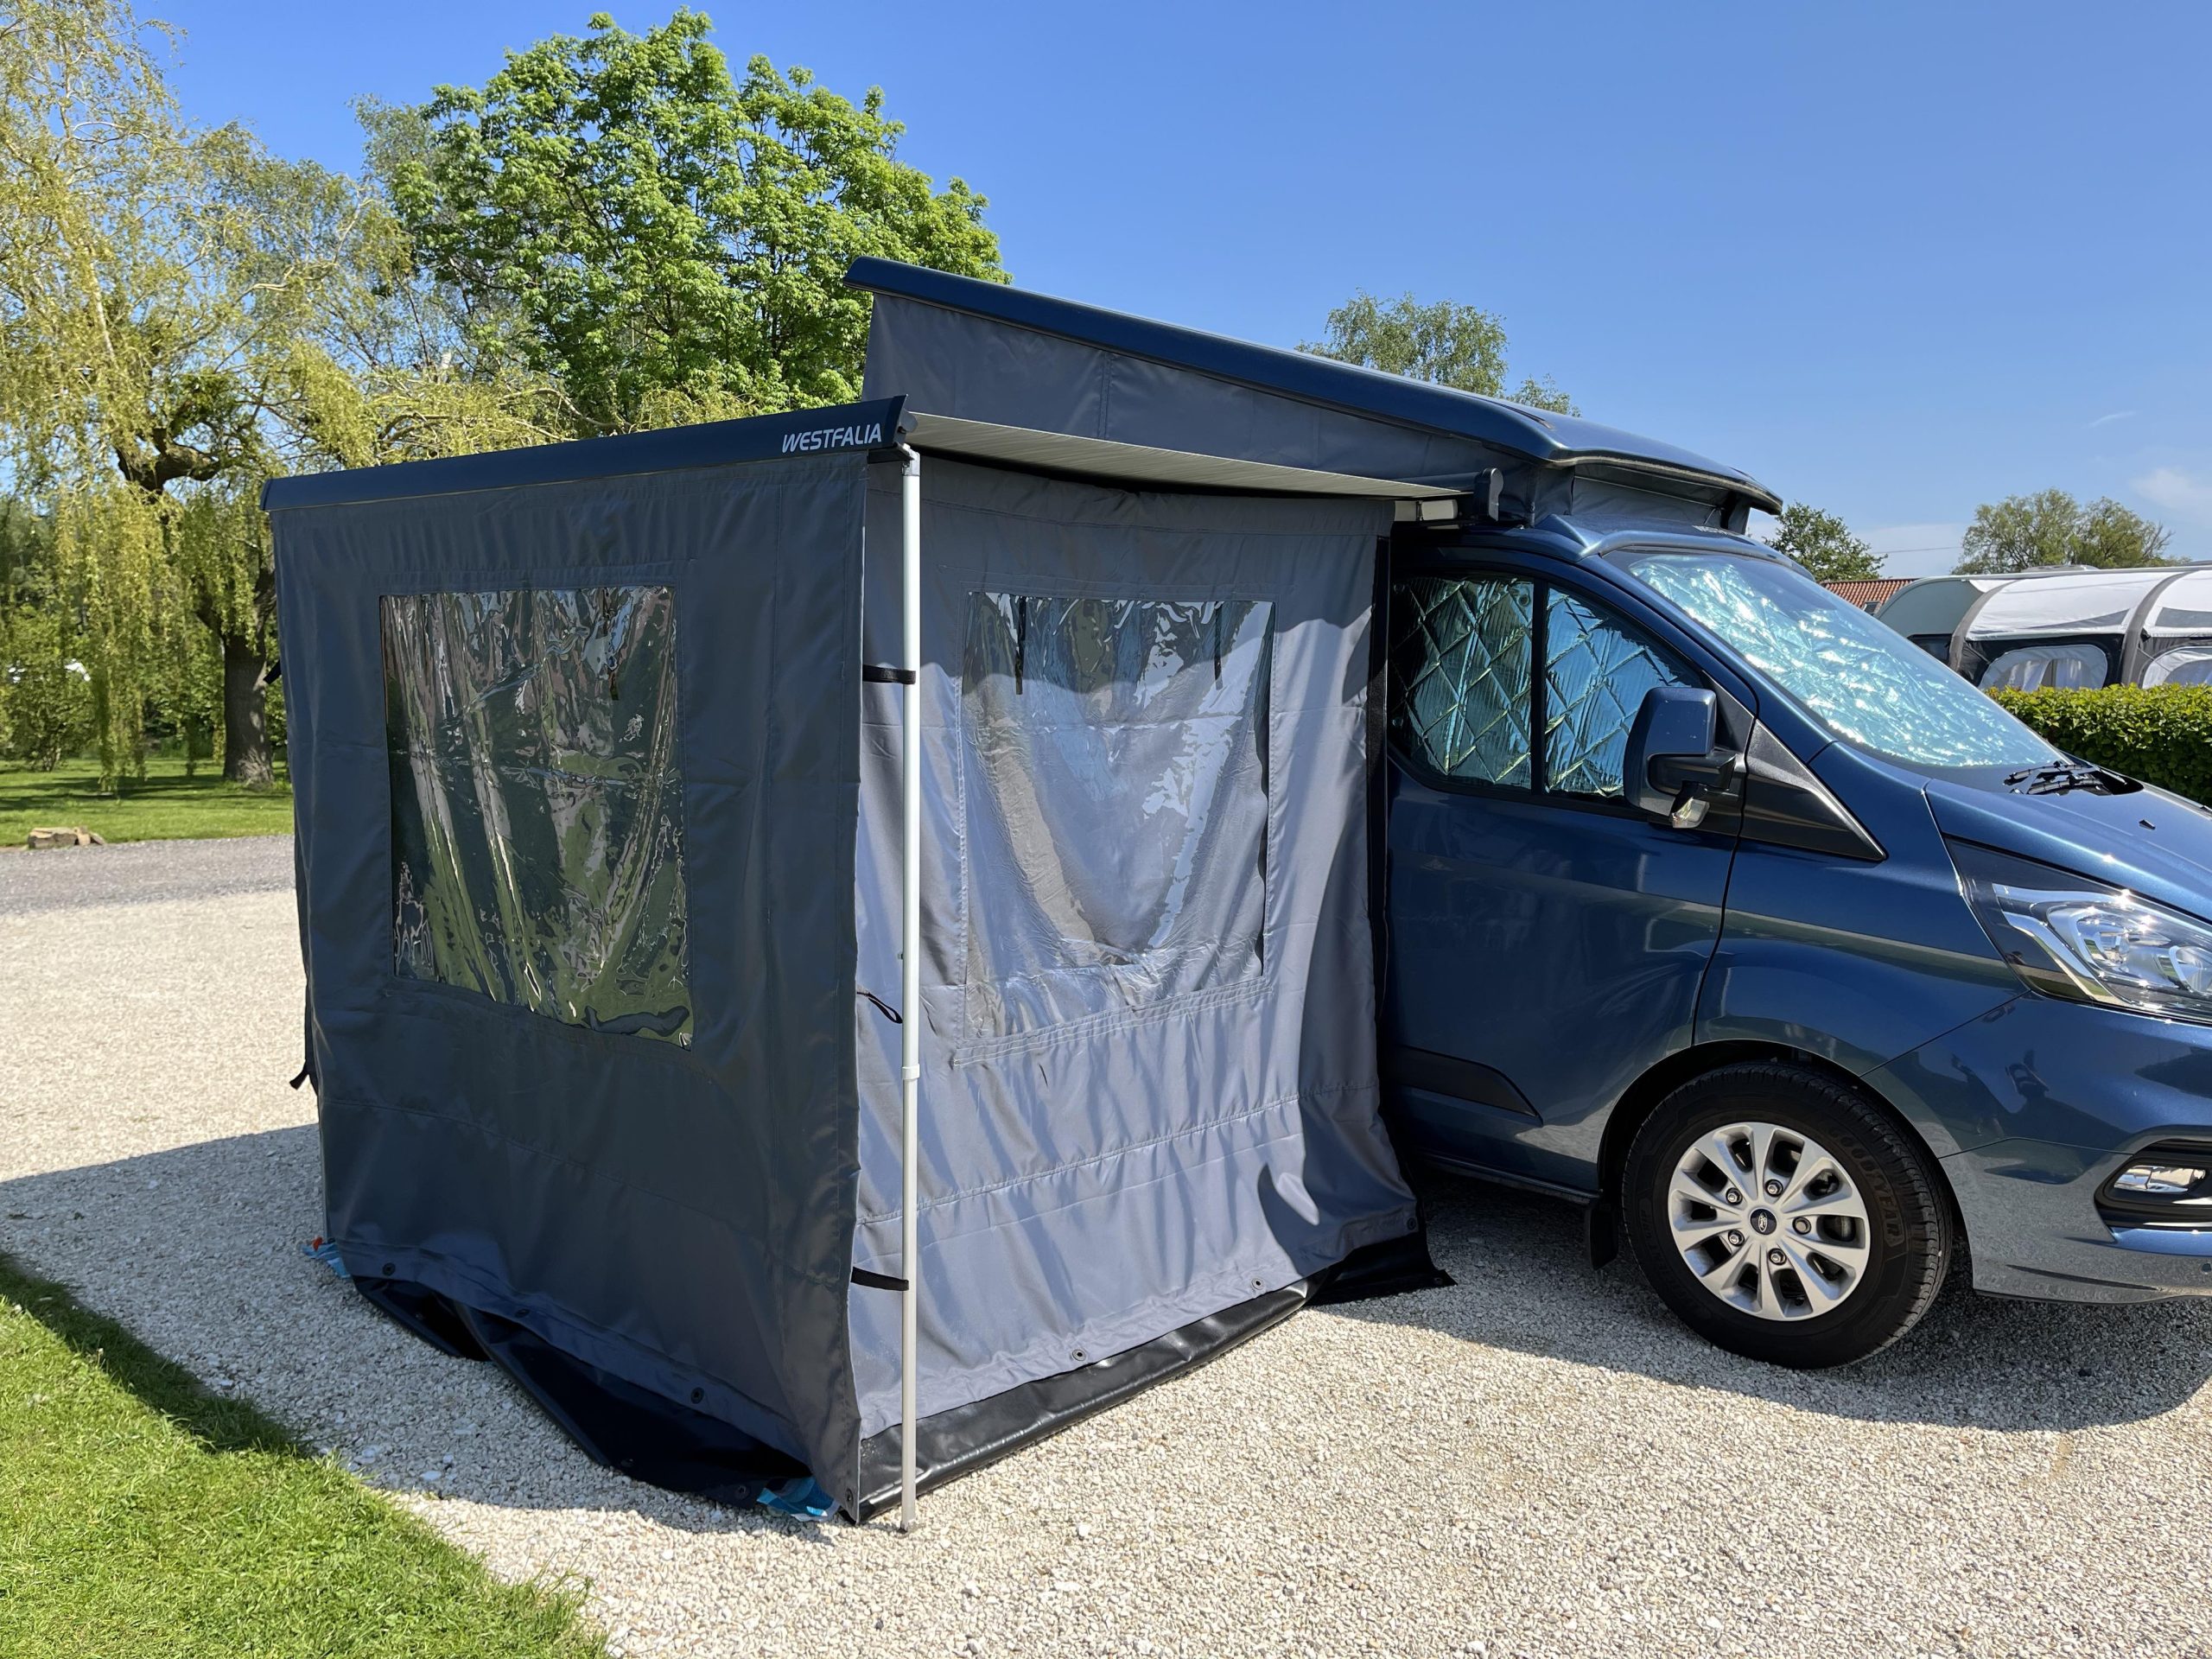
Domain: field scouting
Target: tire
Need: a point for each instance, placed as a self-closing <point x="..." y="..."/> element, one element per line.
<point x="1864" y="1240"/>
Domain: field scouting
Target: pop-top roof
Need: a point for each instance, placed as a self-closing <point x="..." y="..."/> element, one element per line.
<point x="1538" y="435"/>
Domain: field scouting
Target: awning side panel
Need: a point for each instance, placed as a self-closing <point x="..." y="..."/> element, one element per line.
<point x="576" y="772"/>
<point x="1149" y="1090"/>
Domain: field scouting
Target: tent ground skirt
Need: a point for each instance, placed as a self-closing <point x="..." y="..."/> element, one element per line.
<point x="958" y="1442"/>
<point x="614" y="1422"/>
<point x="622" y="1426"/>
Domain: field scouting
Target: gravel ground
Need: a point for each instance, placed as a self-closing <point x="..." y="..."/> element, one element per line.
<point x="1536" y="1461"/>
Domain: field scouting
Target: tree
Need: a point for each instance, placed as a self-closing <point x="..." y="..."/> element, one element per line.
<point x="662" y="240"/>
<point x="333" y="354"/>
<point x="147" y="320"/>
<point x="2024" y="532"/>
<point x="89" y="152"/>
<point x="1823" y="544"/>
<point x="181" y="313"/>
<point x="1446" y="343"/>
<point x="45" y="708"/>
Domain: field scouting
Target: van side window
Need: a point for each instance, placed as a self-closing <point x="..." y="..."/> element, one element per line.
<point x="1596" y="671"/>
<point x="1462" y="659"/>
<point x="1466" y="704"/>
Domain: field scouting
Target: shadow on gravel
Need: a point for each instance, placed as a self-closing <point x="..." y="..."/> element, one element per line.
<point x="196" y="1251"/>
<point x="192" y="1247"/>
<point x="1974" y="1361"/>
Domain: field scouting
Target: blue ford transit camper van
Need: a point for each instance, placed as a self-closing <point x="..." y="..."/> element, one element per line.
<point x="1704" y="900"/>
<point x="841" y="941"/>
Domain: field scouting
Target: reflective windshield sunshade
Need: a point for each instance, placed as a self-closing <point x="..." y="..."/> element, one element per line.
<point x="1857" y="677"/>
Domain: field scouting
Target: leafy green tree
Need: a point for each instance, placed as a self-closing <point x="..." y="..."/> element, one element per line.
<point x="389" y="368"/>
<point x="349" y="362"/>
<point x="45" y="706"/>
<point x="664" y="240"/>
<point x="2024" y="532"/>
<point x="90" y="154"/>
<point x="1445" y="343"/>
<point x="180" y="315"/>
<point x="46" y="714"/>
<point x="152" y="316"/>
<point x="1823" y="544"/>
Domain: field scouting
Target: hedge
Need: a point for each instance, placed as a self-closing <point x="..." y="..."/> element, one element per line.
<point x="2160" y="734"/>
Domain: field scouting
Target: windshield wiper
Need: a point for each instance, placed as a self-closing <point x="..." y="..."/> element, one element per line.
<point x="2071" y="775"/>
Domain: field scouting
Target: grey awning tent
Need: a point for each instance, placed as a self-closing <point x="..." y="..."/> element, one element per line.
<point x="2071" y="630"/>
<point x="602" y="831"/>
<point x="830" y="921"/>
<point x="2174" y="645"/>
<point x="1928" y="612"/>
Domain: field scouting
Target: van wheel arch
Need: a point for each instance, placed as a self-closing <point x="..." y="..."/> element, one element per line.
<point x="1642" y="1096"/>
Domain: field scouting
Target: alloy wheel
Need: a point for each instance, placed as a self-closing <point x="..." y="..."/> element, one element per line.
<point x="1769" y="1221"/>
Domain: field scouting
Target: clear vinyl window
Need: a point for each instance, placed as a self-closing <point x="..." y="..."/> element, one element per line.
<point x="538" y="802"/>
<point x="2043" y="668"/>
<point x="1116" y="796"/>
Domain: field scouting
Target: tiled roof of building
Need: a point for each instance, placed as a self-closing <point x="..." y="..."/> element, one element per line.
<point x="1867" y="595"/>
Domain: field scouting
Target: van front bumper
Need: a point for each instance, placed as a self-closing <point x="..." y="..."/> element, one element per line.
<point x="2031" y="1110"/>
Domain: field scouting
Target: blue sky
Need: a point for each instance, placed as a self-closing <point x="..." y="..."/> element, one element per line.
<point x="1896" y="260"/>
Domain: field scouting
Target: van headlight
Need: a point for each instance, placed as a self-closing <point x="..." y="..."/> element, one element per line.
<point x="2068" y="936"/>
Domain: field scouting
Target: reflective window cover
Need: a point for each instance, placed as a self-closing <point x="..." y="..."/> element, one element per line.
<point x="1117" y="802"/>
<point x="1857" y="677"/>
<point x="1596" y="673"/>
<point x="1461" y="658"/>
<point x="538" y="802"/>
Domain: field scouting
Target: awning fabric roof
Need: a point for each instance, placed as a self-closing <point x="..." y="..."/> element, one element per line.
<point x="2090" y="602"/>
<point x="878" y="424"/>
<point x="1107" y="461"/>
<point x="2183" y="607"/>
<point x="1314" y="383"/>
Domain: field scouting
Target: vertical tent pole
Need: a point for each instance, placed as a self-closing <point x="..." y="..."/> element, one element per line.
<point x="910" y="960"/>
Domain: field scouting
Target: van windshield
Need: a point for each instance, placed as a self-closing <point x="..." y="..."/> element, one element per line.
<point x="1860" y="678"/>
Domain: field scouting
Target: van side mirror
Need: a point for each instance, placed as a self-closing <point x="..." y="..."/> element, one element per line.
<point x="1672" y="765"/>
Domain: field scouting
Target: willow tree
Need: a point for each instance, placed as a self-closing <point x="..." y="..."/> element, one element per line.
<point x="129" y="353"/>
<point x="338" y="354"/>
<point x="91" y="153"/>
<point x="181" y="313"/>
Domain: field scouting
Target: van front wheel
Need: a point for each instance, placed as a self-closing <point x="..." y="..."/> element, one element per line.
<point x="1784" y="1216"/>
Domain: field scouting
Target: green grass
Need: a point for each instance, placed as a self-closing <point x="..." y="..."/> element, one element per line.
<point x="167" y="806"/>
<point x="140" y="1514"/>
